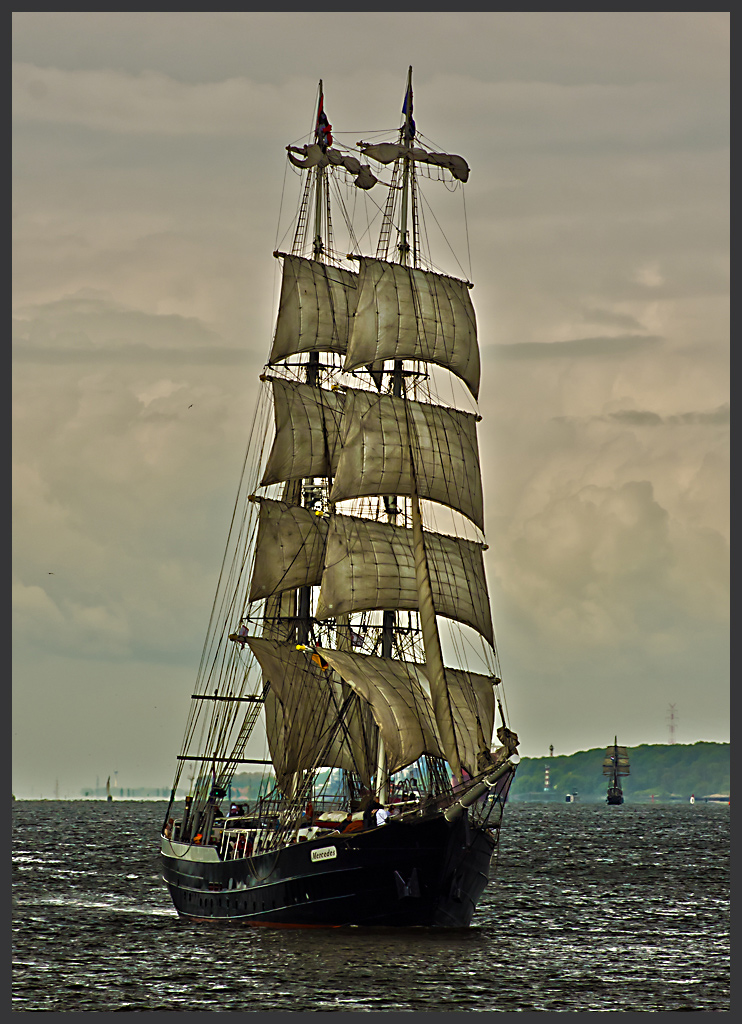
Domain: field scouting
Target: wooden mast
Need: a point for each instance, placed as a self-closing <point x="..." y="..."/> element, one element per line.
<point x="428" y="625"/>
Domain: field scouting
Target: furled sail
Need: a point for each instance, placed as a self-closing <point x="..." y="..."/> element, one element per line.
<point x="386" y="152"/>
<point x="307" y="422"/>
<point x="407" y="313"/>
<point x="616" y="759"/>
<point x="315" y="156"/>
<point x="371" y="565"/>
<point x="290" y="549"/>
<point x="302" y="708"/>
<point x="375" y="454"/>
<point x="316" y="306"/>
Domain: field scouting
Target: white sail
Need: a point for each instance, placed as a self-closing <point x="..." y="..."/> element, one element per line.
<point x="398" y="694"/>
<point x="301" y="710"/>
<point x="290" y="549"/>
<point x="306" y="440"/>
<point x="377" y="434"/>
<point x="400" y="707"/>
<point x="317" y="303"/>
<point x="371" y="565"/>
<point x="472" y="701"/>
<point x="439" y="694"/>
<point x="406" y="313"/>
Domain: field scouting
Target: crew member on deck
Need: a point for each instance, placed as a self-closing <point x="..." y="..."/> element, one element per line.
<point x="381" y="815"/>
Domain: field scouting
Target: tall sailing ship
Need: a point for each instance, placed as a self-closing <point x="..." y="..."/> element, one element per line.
<point x="347" y="619"/>
<point x="615" y="765"/>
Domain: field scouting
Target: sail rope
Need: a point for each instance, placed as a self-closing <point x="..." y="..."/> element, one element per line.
<point x="219" y="659"/>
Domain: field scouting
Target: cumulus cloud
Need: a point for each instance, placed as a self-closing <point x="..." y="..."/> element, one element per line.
<point x="599" y="566"/>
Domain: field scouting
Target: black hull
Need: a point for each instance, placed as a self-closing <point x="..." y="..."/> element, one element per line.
<point x="615" y="795"/>
<point x="428" y="872"/>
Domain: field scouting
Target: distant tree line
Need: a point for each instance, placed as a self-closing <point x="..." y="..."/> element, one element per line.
<point x="662" y="771"/>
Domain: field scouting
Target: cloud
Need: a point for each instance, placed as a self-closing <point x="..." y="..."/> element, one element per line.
<point x="198" y="46"/>
<point x="91" y="329"/>
<point x="576" y="348"/>
<point x="149" y="102"/>
<point x="134" y="354"/>
<point x="603" y="567"/>
<point x="717" y="417"/>
<point x="611" y="318"/>
<point x="636" y="417"/>
<point x="645" y="418"/>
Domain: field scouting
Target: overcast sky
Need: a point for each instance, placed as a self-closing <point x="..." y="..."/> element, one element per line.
<point x="149" y="172"/>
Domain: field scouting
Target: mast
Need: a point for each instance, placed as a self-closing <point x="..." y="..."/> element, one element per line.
<point x="408" y="131"/>
<point x="321" y="197"/>
<point x="428" y="624"/>
<point x="391" y="504"/>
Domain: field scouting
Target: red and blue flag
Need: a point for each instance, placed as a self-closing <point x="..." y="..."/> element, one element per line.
<point x="324" y="128"/>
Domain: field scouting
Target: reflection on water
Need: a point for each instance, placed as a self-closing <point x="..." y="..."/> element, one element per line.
<point x="591" y="908"/>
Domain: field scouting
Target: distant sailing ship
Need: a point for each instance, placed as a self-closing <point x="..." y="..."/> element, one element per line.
<point x="334" y="581"/>
<point x="615" y="764"/>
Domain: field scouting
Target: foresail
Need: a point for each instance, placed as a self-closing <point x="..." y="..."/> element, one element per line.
<point x="302" y="707"/>
<point x="406" y="313"/>
<point x="316" y="306"/>
<point x="378" y="433"/>
<point x="398" y="702"/>
<point x="307" y="423"/>
<point x="289" y="551"/>
<point x="472" y="700"/>
<point x="398" y="693"/>
<point x="371" y="565"/>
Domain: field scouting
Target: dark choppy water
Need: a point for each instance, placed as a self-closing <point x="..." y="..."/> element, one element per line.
<point x="592" y="908"/>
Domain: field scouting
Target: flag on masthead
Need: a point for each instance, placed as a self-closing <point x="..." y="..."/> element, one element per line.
<point x="324" y="128"/>
<point x="407" y="108"/>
